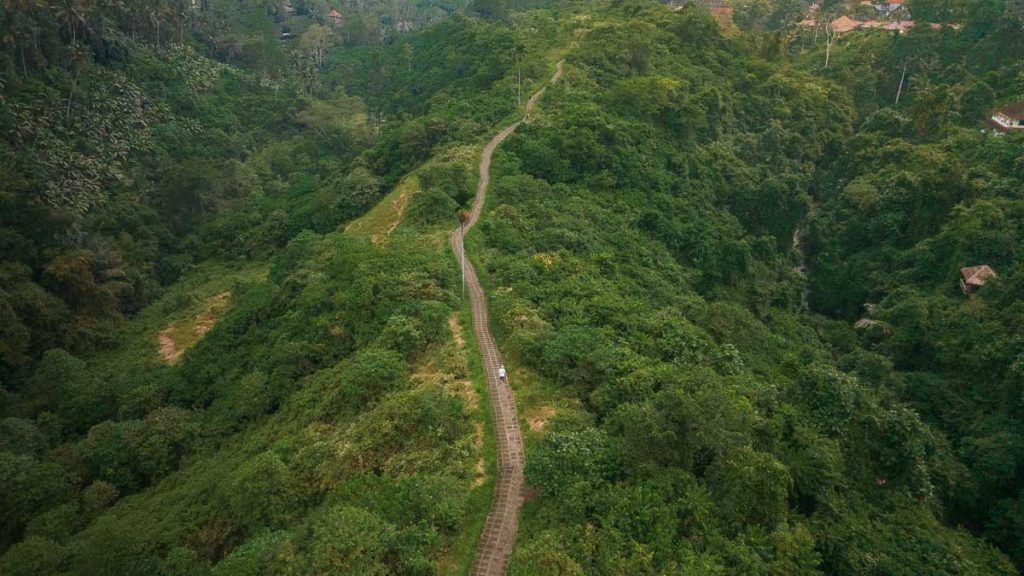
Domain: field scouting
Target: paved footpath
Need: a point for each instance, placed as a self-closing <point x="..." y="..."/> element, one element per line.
<point x="499" y="533"/>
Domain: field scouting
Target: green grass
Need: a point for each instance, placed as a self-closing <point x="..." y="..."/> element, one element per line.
<point x="387" y="215"/>
<point x="460" y="557"/>
<point x="390" y="216"/>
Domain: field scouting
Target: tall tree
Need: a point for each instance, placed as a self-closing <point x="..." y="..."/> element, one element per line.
<point x="314" y="42"/>
<point x="831" y="36"/>
<point x="519" y="54"/>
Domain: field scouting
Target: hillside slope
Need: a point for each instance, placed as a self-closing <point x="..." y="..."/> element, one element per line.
<point x="303" y="395"/>
<point x="243" y="347"/>
<point x="692" y="419"/>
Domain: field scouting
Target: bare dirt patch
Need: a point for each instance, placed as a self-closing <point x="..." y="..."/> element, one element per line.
<point x="169" y="351"/>
<point x="481" y="473"/>
<point x="214" y="312"/>
<point x="381" y="220"/>
<point x="538" y="417"/>
<point x="478" y="439"/>
<point x="398" y="205"/>
<point x="173" y="341"/>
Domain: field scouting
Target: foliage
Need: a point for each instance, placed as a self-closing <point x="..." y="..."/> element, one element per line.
<point x="917" y="194"/>
<point x="674" y="247"/>
<point x="639" y="250"/>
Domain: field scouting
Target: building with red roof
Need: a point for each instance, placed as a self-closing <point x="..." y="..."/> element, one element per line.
<point x="845" y="24"/>
<point x="899" y="26"/>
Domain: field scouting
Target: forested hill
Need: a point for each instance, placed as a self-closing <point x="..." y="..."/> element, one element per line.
<point x="199" y="366"/>
<point x="694" y="417"/>
<point x="231" y="333"/>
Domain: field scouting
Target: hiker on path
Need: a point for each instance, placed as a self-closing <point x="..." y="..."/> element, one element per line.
<point x="501" y="373"/>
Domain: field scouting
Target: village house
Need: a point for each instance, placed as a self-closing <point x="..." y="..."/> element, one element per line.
<point x="845" y="24"/>
<point x="899" y="26"/>
<point x="335" y="17"/>
<point x="1009" y="117"/>
<point x="974" y="277"/>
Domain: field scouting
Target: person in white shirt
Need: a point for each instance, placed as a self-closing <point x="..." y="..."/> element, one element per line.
<point x="501" y="373"/>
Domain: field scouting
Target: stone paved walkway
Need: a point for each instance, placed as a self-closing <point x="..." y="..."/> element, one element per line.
<point x="499" y="533"/>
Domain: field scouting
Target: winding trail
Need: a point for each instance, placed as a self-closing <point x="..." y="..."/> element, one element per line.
<point x="499" y="535"/>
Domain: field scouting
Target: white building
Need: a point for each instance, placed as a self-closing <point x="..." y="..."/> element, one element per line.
<point x="1009" y="117"/>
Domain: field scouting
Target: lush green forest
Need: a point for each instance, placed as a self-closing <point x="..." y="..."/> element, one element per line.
<point x="231" y="333"/>
<point x="202" y="370"/>
<point x="922" y="190"/>
<point x="640" y="250"/>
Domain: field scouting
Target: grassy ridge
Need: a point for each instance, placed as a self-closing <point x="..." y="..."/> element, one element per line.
<point x="326" y="422"/>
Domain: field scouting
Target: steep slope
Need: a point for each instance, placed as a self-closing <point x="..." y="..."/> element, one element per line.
<point x="676" y="409"/>
<point x="328" y="421"/>
<point x="923" y="190"/>
<point x="636" y="254"/>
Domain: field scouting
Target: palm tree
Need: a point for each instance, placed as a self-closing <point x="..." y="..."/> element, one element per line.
<point x="518" y="54"/>
<point x="70" y="13"/>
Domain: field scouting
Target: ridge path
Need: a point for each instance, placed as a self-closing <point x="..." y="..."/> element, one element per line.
<point x="499" y="534"/>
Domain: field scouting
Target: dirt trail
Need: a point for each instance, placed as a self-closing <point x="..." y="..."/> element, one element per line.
<point x="532" y="102"/>
<point x="499" y="535"/>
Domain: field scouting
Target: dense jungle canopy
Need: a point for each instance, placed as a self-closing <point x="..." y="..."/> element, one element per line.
<point x="723" y="260"/>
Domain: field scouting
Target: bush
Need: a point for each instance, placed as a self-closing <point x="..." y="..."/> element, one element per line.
<point x="451" y="178"/>
<point x="57" y="524"/>
<point x="97" y="497"/>
<point x="402" y="334"/>
<point x="27" y="487"/>
<point x="751" y="488"/>
<point x="570" y="459"/>
<point x="260" y="554"/>
<point x="349" y="540"/>
<point x="264" y="493"/>
<point x="365" y="377"/>
<point x="32" y="557"/>
<point x="431" y="207"/>
<point x="20" y="436"/>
